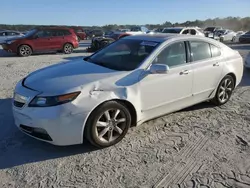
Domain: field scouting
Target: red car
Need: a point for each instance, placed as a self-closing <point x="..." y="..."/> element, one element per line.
<point x="43" y="40"/>
<point x="81" y="34"/>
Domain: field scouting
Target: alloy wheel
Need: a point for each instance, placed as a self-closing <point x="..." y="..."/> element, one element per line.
<point x="110" y="125"/>
<point x="225" y="90"/>
<point x="68" y="48"/>
<point x="25" y="50"/>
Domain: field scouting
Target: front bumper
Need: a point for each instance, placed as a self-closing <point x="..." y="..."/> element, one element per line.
<point x="58" y="125"/>
<point x="12" y="48"/>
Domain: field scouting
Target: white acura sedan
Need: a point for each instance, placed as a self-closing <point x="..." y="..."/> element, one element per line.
<point x="130" y="81"/>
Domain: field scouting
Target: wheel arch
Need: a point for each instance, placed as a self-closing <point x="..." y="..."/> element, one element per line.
<point x="234" y="77"/>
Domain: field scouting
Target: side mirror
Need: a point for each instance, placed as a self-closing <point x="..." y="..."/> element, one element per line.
<point x="158" y="69"/>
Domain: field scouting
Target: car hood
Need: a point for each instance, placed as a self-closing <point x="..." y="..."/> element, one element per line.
<point x="62" y="77"/>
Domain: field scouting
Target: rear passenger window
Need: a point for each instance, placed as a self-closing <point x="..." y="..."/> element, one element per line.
<point x="200" y="50"/>
<point x="193" y="32"/>
<point x="66" y="32"/>
<point x="185" y="31"/>
<point x="215" y="51"/>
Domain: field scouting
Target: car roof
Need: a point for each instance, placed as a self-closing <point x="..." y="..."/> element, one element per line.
<point x="65" y="28"/>
<point x="162" y="37"/>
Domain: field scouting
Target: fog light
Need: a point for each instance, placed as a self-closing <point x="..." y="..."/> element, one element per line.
<point x="39" y="130"/>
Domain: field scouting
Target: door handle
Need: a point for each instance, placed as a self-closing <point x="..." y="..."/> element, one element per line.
<point x="184" y="72"/>
<point x="216" y="64"/>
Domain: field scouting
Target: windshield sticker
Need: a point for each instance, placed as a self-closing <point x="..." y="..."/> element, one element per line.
<point x="148" y="43"/>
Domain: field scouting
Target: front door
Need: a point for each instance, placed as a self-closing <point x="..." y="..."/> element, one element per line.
<point x="42" y="41"/>
<point x="207" y="67"/>
<point x="163" y="93"/>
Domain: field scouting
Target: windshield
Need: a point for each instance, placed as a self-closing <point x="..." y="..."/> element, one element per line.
<point x="248" y="33"/>
<point x="31" y="32"/>
<point x="124" y="54"/>
<point x="174" y="30"/>
<point x="221" y="31"/>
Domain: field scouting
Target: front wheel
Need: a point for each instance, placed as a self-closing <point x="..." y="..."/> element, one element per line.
<point x="234" y="39"/>
<point x="224" y="90"/>
<point x="68" y="48"/>
<point x="108" y="124"/>
<point x="24" y="50"/>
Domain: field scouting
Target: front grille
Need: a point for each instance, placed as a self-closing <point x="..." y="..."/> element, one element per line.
<point x="18" y="104"/>
<point x="36" y="132"/>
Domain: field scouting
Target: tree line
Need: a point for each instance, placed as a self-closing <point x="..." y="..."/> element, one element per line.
<point x="233" y="23"/>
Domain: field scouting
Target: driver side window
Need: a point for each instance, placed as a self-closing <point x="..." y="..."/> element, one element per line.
<point x="173" y="55"/>
<point x="43" y="34"/>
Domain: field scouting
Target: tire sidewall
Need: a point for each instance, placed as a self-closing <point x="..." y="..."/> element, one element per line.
<point x="65" y="47"/>
<point x="92" y="120"/>
<point x="216" y="99"/>
<point x="19" y="52"/>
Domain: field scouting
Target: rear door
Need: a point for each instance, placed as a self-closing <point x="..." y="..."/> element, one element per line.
<point x="57" y="39"/>
<point x="207" y="68"/>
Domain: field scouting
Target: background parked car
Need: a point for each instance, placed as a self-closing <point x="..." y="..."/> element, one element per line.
<point x="96" y="33"/>
<point x="43" y="39"/>
<point x="8" y="34"/>
<point x="183" y="30"/>
<point x="81" y="35"/>
<point x="238" y="34"/>
<point x="225" y="35"/>
<point x="209" y="31"/>
<point x="245" y="38"/>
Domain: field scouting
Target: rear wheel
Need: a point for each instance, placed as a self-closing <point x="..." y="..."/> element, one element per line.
<point x="108" y="124"/>
<point x="234" y="39"/>
<point x="68" y="48"/>
<point x="24" y="50"/>
<point x="78" y="38"/>
<point x="224" y="90"/>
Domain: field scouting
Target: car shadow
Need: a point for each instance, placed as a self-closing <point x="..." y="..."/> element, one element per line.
<point x="16" y="148"/>
<point x="245" y="79"/>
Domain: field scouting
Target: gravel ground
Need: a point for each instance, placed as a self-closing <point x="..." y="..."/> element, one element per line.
<point x="202" y="146"/>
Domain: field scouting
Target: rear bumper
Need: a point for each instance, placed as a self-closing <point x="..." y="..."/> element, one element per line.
<point x="76" y="44"/>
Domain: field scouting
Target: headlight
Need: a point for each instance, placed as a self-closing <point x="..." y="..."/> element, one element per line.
<point x="10" y="42"/>
<point x="53" y="100"/>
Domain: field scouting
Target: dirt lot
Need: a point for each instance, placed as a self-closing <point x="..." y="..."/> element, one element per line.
<point x="202" y="146"/>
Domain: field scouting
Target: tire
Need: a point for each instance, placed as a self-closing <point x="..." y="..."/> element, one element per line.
<point x="224" y="90"/>
<point x="68" y="48"/>
<point x="108" y="132"/>
<point x="234" y="39"/>
<point x="24" y="51"/>
<point x="78" y="38"/>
